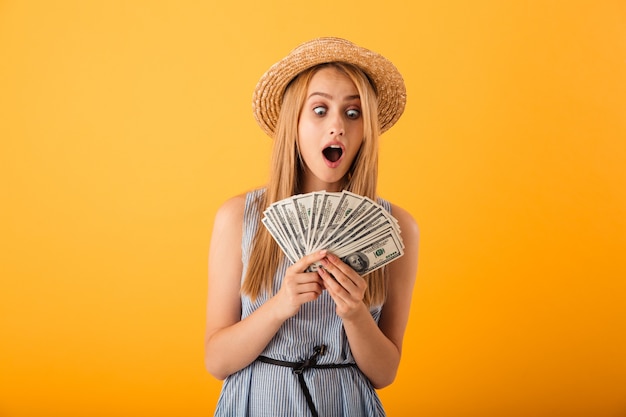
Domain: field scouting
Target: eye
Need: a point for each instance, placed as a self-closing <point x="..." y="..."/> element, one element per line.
<point x="319" y="110"/>
<point x="353" y="114"/>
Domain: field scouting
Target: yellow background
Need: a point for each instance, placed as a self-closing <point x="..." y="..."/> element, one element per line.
<point x="124" y="124"/>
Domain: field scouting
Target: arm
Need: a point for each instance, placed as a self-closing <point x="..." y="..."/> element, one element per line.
<point x="231" y="343"/>
<point x="377" y="348"/>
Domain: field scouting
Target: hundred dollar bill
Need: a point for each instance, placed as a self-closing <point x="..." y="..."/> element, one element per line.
<point x="319" y="199"/>
<point x="290" y="215"/>
<point x="304" y="205"/>
<point x="343" y="222"/>
<point x="347" y="204"/>
<point x="362" y="229"/>
<point x="326" y="210"/>
<point x="364" y="209"/>
<point x="283" y="231"/>
<point x="280" y="240"/>
<point x="335" y="230"/>
<point x="370" y="237"/>
<point x="377" y="220"/>
<point x="269" y="220"/>
<point x="284" y="228"/>
<point x="374" y="255"/>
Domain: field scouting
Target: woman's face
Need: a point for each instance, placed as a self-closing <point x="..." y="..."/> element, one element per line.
<point x="330" y="130"/>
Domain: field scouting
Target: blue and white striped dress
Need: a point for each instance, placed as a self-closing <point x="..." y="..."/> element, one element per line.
<point x="267" y="390"/>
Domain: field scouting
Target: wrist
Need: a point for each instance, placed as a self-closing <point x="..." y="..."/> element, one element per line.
<point x="276" y="310"/>
<point x="358" y="315"/>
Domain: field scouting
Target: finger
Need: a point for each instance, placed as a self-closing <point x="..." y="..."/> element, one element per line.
<point x="307" y="277"/>
<point x="313" y="287"/>
<point x="343" y="267"/>
<point x="344" y="277"/>
<point x="303" y="263"/>
<point x="330" y="283"/>
<point x="307" y="297"/>
<point x="336" y="291"/>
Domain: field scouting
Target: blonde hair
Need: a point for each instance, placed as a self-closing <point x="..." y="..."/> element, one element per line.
<point x="286" y="171"/>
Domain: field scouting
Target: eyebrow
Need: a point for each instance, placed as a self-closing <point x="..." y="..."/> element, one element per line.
<point x="328" y="96"/>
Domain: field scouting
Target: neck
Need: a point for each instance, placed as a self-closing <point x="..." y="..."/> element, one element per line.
<point x="311" y="185"/>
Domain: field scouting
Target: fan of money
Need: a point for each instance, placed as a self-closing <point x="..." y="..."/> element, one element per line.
<point x="356" y="229"/>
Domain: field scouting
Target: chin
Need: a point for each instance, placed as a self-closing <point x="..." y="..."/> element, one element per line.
<point x="333" y="182"/>
<point x="328" y="179"/>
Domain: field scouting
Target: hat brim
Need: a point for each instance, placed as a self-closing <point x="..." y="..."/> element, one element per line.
<point x="387" y="80"/>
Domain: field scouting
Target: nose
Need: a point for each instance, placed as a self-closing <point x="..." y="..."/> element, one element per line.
<point x="336" y="125"/>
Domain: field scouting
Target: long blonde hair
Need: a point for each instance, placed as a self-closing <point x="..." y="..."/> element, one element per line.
<point x="286" y="172"/>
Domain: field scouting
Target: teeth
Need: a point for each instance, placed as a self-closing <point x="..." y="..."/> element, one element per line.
<point x="333" y="152"/>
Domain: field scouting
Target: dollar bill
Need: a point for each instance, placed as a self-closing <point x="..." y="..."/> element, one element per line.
<point x="355" y="228"/>
<point x="290" y="215"/>
<point x="303" y="204"/>
<point x="326" y="210"/>
<point x="374" y="255"/>
<point x="280" y="239"/>
<point x="346" y="205"/>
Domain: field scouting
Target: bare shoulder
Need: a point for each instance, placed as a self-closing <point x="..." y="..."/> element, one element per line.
<point x="231" y="211"/>
<point x="407" y="223"/>
<point x="225" y="266"/>
<point x="227" y="232"/>
<point x="405" y="268"/>
<point x="225" y="263"/>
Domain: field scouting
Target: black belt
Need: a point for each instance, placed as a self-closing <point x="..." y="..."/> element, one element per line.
<point x="300" y="367"/>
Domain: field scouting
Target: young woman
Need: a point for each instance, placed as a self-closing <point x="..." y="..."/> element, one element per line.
<point x="290" y="342"/>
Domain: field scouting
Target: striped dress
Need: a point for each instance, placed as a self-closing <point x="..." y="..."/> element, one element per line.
<point x="267" y="390"/>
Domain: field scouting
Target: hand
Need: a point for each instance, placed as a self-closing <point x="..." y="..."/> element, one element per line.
<point x="345" y="286"/>
<point x="299" y="287"/>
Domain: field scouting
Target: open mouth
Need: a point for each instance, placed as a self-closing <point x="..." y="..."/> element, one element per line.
<point x="333" y="153"/>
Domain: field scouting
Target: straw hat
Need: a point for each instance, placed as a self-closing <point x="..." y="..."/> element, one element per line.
<point x="387" y="80"/>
